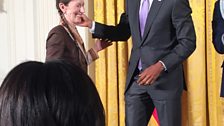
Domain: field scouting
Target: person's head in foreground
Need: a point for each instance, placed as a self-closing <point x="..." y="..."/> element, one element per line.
<point x="49" y="94"/>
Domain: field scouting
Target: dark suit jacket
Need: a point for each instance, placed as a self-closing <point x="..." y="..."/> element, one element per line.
<point x="61" y="46"/>
<point x="169" y="36"/>
<point x="218" y="31"/>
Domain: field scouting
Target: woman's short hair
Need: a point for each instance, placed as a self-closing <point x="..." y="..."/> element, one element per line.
<point x="54" y="93"/>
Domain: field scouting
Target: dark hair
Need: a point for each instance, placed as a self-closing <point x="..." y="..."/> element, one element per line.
<point x="65" y="2"/>
<point x="49" y="94"/>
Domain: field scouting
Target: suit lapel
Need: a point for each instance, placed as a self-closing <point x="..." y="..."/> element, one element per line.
<point x="136" y="19"/>
<point x="156" y="4"/>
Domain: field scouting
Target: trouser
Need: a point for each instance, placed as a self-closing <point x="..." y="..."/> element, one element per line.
<point x="139" y="107"/>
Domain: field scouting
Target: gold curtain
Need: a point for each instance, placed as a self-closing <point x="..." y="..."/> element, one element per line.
<point x="201" y="104"/>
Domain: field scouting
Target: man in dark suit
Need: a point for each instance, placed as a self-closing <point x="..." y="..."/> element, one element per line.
<point x="218" y="33"/>
<point x="163" y="37"/>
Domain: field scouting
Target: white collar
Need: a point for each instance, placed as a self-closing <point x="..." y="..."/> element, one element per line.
<point x="222" y="8"/>
<point x="150" y="2"/>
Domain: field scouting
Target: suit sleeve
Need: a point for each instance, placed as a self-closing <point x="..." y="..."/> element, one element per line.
<point x="55" y="46"/>
<point x="120" y="32"/>
<point x="185" y="35"/>
<point x="218" y="29"/>
<point x="92" y="55"/>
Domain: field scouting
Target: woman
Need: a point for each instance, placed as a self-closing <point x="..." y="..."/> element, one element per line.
<point x="54" y="93"/>
<point x="64" y="41"/>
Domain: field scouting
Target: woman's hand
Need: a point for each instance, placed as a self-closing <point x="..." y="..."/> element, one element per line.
<point x="101" y="44"/>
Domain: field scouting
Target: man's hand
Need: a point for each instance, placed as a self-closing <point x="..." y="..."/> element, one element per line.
<point x="85" y="21"/>
<point x="101" y="44"/>
<point x="150" y="74"/>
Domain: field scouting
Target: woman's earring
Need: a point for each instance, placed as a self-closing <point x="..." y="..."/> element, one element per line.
<point x="64" y="13"/>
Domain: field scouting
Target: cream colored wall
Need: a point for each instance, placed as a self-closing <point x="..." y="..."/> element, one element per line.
<point x="24" y="25"/>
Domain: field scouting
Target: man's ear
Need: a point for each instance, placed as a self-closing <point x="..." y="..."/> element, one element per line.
<point x="62" y="7"/>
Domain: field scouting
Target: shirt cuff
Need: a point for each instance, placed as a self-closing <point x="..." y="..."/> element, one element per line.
<point x="93" y="53"/>
<point x="164" y="66"/>
<point x="92" y="29"/>
<point x="223" y="39"/>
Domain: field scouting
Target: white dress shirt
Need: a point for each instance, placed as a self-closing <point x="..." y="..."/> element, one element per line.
<point x="150" y="3"/>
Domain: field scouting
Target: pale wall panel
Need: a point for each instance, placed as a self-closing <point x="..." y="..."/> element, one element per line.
<point x="24" y="25"/>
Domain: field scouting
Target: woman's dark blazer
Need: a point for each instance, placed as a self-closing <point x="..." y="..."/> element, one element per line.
<point x="61" y="46"/>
